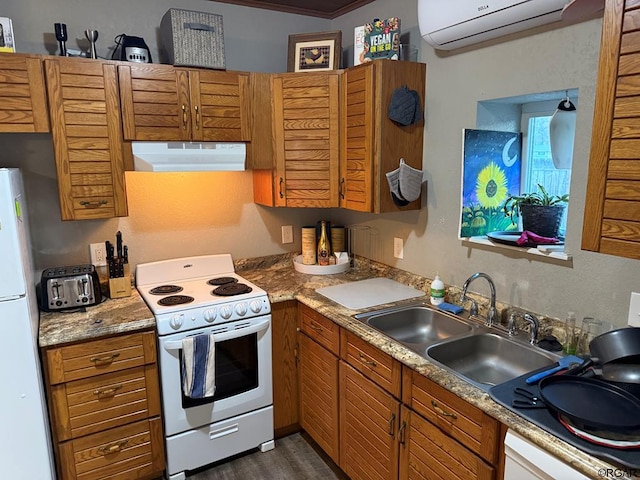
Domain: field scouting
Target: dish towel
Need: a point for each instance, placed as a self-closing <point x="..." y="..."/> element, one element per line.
<point x="198" y="366"/>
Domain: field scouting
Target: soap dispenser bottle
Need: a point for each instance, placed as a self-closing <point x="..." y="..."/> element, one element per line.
<point x="436" y="291"/>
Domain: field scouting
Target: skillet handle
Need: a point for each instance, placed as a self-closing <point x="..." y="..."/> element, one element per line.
<point x="578" y="369"/>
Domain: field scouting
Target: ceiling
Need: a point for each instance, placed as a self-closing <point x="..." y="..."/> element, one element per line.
<point x="313" y="8"/>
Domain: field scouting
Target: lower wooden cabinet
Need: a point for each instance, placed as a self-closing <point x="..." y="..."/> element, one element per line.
<point x="284" y="336"/>
<point x="104" y="404"/>
<point x="369" y="419"/>
<point x="318" y="380"/>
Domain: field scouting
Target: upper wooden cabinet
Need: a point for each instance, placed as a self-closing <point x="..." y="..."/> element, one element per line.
<point x="87" y="137"/>
<point x="371" y="143"/>
<point x="164" y="103"/>
<point x="296" y="161"/>
<point x="23" y="102"/>
<point x="612" y="210"/>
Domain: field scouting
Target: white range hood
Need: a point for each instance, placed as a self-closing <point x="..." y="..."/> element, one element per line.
<point x="188" y="156"/>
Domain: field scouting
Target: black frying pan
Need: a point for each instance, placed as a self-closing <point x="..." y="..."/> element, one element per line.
<point x="592" y="404"/>
<point x="616" y="345"/>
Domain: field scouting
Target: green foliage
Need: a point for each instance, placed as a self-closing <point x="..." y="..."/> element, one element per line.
<point x="511" y="207"/>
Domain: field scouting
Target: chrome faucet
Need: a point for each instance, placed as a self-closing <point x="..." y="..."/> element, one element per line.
<point x="530" y="319"/>
<point x="491" y="314"/>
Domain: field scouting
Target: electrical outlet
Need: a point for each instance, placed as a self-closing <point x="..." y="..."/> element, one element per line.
<point x="398" y="248"/>
<point x="287" y="234"/>
<point x="634" y="310"/>
<point x="98" y="253"/>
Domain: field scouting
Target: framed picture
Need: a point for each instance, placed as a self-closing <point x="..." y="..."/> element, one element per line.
<point x="310" y="52"/>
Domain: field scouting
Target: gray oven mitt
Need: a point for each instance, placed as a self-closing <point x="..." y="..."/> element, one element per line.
<point x="404" y="107"/>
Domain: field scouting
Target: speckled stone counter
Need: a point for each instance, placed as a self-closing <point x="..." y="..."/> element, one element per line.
<point x="111" y="317"/>
<point x="277" y="276"/>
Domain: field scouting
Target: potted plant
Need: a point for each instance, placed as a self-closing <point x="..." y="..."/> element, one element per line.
<point x="541" y="213"/>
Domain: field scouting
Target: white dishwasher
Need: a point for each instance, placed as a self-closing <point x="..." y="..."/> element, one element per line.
<point x="526" y="461"/>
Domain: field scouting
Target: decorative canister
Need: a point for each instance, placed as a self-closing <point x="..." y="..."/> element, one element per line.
<point x="308" y="245"/>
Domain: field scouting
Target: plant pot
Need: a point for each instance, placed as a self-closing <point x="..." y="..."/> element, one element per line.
<point x="542" y="219"/>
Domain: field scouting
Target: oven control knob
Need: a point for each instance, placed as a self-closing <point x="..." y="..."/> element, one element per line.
<point x="255" y="306"/>
<point x="241" y="309"/>
<point x="176" y="321"/>
<point x="226" y="312"/>
<point x="210" y="315"/>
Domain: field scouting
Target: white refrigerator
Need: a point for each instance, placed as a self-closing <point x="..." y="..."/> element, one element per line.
<point x="25" y="445"/>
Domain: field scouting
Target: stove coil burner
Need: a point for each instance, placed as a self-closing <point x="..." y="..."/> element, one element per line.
<point x="231" y="289"/>
<point x="175" y="300"/>
<point x="165" y="290"/>
<point x="222" y="281"/>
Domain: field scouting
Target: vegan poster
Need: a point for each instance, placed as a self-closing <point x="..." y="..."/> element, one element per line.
<point x="491" y="166"/>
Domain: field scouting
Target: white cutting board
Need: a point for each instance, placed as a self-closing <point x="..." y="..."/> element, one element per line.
<point x="369" y="293"/>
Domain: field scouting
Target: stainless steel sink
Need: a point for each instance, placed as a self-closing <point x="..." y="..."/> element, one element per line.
<point x="416" y="327"/>
<point x="488" y="359"/>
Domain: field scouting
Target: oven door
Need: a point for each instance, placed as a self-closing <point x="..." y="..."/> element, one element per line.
<point x="243" y="374"/>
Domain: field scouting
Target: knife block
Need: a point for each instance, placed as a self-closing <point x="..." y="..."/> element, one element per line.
<point x="121" y="287"/>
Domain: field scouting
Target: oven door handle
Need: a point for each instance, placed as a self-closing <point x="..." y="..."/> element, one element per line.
<point x="221" y="337"/>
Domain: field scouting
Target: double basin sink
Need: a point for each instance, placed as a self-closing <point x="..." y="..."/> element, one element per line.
<point x="479" y="355"/>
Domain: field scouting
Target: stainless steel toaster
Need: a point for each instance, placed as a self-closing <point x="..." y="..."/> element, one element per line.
<point x="69" y="287"/>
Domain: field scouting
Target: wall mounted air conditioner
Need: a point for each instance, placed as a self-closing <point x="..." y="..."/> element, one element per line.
<point x="447" y="25"/>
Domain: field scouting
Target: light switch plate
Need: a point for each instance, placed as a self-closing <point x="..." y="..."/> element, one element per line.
<point x="398" y="248"/>
<point x="287" y="234"/>
<point x="634" y="310"/>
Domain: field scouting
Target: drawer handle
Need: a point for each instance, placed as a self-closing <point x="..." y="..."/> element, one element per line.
<point x="392" y="422"/>
<point x="93" y="204"/>
<point x="184" y="117"/>
<point x="113" y="448"/>
<point x="441" y="412"/>
<point x="315" y="326"/>
<point x="105" y="359"/>
<point x="107" y="392"/>
<point x="364" y="360"/>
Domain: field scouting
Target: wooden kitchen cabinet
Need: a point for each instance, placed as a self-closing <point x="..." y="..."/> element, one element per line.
<point x="295" y="145"/>
<point x="90" y="155"/>
<point x="104" y="405"/>
<point x="445" y="434"/>
<point x="612" y="209"/>
<point x="318" y="350"/>
<point x="165" y="103"/>
<point x="371" y="143"/>
<point x="23" y="101"/>
<point x="370" y="386"/>
<point x="284" y="321"/>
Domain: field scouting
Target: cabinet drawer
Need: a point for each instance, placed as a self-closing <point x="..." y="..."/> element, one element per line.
<point x="372" y="362"/>
<point x="320" y="329"/>
<point x="94" y="404"/>
<point x="73" y="362"/>
<point x="131" y="451"/>
<point x="429" y="453"/>
<point x="469" y="425"/>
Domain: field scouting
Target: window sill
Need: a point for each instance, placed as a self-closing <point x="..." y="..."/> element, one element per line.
<point x="555" y="252"/>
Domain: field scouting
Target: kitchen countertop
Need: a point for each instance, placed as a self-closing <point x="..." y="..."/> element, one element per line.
<point x="109" y="318"/>
<point x="277" y="276"/>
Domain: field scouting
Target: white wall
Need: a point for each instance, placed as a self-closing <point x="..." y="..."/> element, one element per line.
<point x="188" y="215"/>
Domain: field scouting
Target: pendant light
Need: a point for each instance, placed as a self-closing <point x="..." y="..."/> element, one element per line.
<point x="562" y="129"/>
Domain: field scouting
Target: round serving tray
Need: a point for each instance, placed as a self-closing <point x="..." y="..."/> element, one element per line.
<point x="340" y="267"/>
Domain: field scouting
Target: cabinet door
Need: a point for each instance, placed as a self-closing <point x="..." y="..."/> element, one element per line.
<point x="369" y="419"/>
<point x="285" y="370"/>
<point x="428" y="453"/>
<point x="318" y="374"/>
<point x="612" y="210"/>
<point x="23" y="103"/>
<point x="306" y="139"/>
<point x="372" y="144"/>
<point x="87" y="138"/>
<point x="155" y="102"/>
<point x="219" y="106"/>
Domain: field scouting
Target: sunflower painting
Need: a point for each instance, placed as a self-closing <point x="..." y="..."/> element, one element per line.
<point x="491" y="164"/>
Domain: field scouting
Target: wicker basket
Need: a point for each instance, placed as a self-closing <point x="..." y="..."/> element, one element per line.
<point x="194" y="39"/>
<point x="542" y="219"/>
